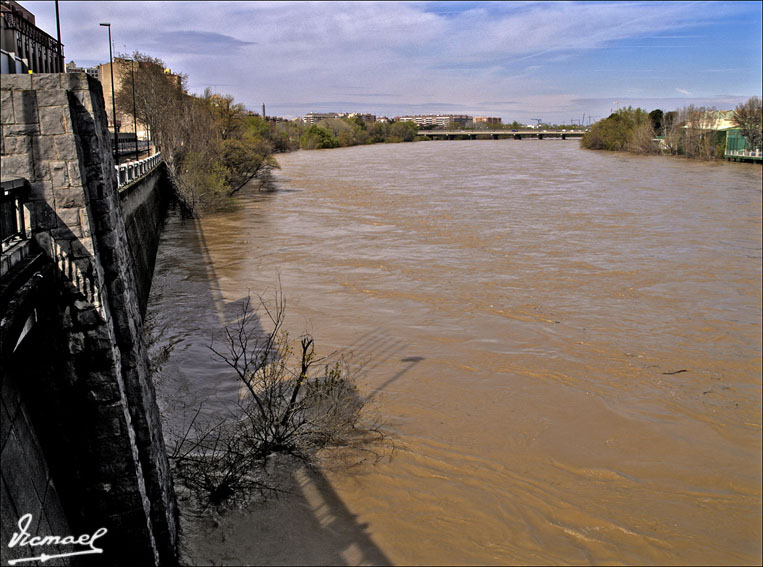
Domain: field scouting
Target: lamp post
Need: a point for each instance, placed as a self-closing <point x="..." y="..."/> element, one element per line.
<point x="60" y="57"/>
<point x="134" y="113"/>
<point x="113" y="100"/>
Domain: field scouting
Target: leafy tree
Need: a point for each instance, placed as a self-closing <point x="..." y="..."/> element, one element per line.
<point x="209" y="146"/>
<point x="229" y="116"/>
<point x="748" y="117"/>
<point x="317" y="137"/>
<point x="245" y="159"/>
<point x="403" y="131"/>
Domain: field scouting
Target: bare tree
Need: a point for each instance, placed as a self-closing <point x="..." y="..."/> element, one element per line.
<point x="748" y="117"/>
<point x="291" y="406"/>
<point x="641" y="140"/>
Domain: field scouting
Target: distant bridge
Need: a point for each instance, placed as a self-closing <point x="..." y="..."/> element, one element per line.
<point x="498" y="134"/>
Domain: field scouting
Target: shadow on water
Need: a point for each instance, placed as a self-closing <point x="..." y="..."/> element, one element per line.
<point x="310" y="524"/>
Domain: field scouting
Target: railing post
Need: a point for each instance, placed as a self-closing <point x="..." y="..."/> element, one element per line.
<point x="12" y="214"/>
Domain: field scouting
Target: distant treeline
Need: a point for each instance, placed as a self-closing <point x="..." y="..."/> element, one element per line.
<point x="691" y="131"/>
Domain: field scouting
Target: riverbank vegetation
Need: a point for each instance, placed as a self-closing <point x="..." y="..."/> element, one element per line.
<point x="209" y="146"/>
<point x="695" y="132"/>
<point x="292" y="404"/>
<point x="213" y="146"/>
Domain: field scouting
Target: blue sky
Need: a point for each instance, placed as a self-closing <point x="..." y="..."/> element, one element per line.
<point x="517" y="60"/>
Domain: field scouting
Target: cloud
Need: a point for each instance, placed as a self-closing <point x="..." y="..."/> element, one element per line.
<point x="399" y="57"/>
<point x="198" y="42"/>
<point x="683" y="91"/>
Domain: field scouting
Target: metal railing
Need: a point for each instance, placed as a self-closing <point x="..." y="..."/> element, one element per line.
<point x="744" y="153"/>
<point x="13" y="225"/>
<point x="129" y="172"/>
<point x="128" y="146"/>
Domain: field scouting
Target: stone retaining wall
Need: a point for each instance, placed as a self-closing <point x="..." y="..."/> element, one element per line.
<point x="96" y="414"/>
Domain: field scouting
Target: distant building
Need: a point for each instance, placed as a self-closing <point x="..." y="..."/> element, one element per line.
<point x="715" y="120"/>
<point x="487" y="120"/>
<point x="367" y="118"/>
<point x="441" y="120"/>
<point x="95" y="72"/>
<point x="315" y="117"/>
<point x="25" y="48"/>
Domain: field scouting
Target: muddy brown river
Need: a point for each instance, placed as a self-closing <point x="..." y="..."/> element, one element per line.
<point x="564" y="345"/>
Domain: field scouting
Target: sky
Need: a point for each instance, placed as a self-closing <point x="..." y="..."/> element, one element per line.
<point x="554" y="61"/>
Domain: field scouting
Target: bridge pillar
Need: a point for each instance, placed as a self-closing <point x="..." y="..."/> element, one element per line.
<point x="97" y="415"/>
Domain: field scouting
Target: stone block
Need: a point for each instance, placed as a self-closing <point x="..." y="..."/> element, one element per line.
<point x="69" y="197"/>
<point x="25" y="107"/>
<point x="68" y="218"/>
<point x="43" y="149"/>
<point x="43" y="217"/>
<point x="52" y="97"/>
<point x="75" y="82"/>
<point x="82" y="99"/>
<point x="82" y="248"/>
<point x="98" y="341"/>
<point x="75" y="175"/>
<point x="6" y="107"/>
<point x="41" y="190"/>
<point x="16" y="145"/>
<point x="104" y="391"/>
<point x="109" y="425"/>
<point x="18" y="165"/>
<point x="59" y="173"/>
<point x="84" y="221"/>
<point x="21" y="129"/>
<point x="52" y="120"/>
<point x="66" y="147"/>
<point x="46" y="81"/>
<point x="17" y="82"/>
<point x="89" y="317"/>
<point x="76" y="343"/>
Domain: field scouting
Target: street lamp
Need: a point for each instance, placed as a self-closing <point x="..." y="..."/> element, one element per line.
<point x="134" y="113"/>
<point x="113" y="100"/>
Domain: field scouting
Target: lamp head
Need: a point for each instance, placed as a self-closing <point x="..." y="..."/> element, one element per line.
<point x="106" y="24"/>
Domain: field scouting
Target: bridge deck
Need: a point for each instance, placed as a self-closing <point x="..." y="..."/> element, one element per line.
<point x="504" y="133"/>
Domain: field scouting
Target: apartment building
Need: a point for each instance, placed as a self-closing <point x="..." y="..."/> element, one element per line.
<point x="441" y="120"/>
<point x="487" y="120"/>
<point x="25" y="48"/>
<point x="315" y="117"/>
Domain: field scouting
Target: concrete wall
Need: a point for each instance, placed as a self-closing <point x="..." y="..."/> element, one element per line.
<point x="94" y="405"/>
<point x="144" y="204"/>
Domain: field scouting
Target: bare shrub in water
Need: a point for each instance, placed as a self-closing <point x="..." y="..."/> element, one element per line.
<point x="293" y="404"/>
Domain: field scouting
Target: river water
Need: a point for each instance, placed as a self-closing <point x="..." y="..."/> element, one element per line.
<point x="564" y="345"/>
